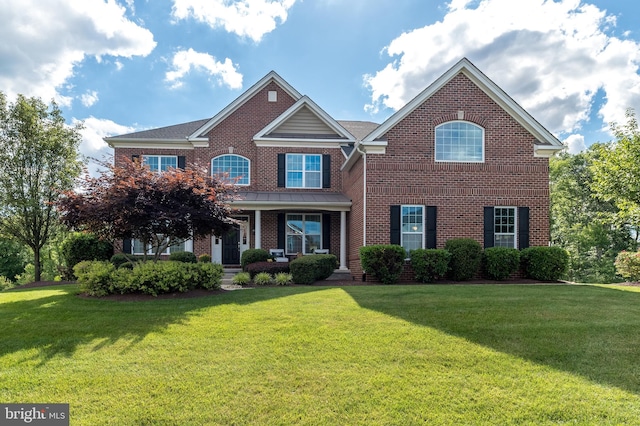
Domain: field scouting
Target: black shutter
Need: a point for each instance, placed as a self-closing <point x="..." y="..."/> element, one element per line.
<point x="394" y="225"/>
<point x="489" y="227"/>
<point x="326" y="231"/>
<point x="523" y="227"/>
<point x="281" y="170"/>
<point x="126" y="246"/>
<point x="326" y="171"/>
<point x="432" y="215"/>
<point x="182" y="162"/>
<point x="281" y="231"/>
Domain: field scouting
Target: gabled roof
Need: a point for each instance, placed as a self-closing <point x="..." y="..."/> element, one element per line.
<point x="546" y="144"/>
<point x="313" y="127"/>
<point x="201" y="132"/>
<point x="359" y="129"/>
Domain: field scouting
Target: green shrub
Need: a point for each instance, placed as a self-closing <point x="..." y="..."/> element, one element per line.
<point x="269" y="267"/>
<point x="429" y="264"/>
<point x="384" y="261"/>
<point x="96" y="278"/>
<point x="183" y="256"/>
<point x="82" y="246"/>
<point x="204" y="258"/>
<point x="283" y="278"/>
<point x="262" y="278"/>
<point x="209" y="276"/>
<point x="241" y="278"/>
<point x="466" y="256"/>
<point x="250" y="256"/>
<point x="6" y="283"/>
<point x="12" y="259"/>
<point x="628" y="265"/>
<point x="544" y="263"/>
<point x="313" y="267"/>
<point x="101" y="278"/>
<point x="500" y="262"/>
<point x="125" y="260"/>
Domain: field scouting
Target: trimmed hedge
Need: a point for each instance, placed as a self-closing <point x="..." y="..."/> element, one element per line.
<point x="250" y="256"/>
<point x="313" y="267"/>
<point x="384" y="261"/>
<point x="82" y="246"/>
<point x="204" y="258"/>
<point x="544" y="263"/>
<point x="429" y="264"/>
<point x="498" y="263"/>
<point x="99" y="278"/>
<point x="269" y="267"/>
<point x="183" y="256"/>
<point x="466" y="256"/>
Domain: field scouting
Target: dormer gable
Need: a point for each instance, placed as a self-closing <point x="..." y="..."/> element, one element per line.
<point x="304" y="124"/>
<point x="202" y="132"/>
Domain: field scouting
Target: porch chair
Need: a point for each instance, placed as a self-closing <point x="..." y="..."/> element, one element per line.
<point x="278" y="254"/>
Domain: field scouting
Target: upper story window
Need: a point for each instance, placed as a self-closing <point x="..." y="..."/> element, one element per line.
<point x="460" y="141"/>
<point x="160" y="163"/>
<point x="235" y="167"/>
<point x="304" y="171"/>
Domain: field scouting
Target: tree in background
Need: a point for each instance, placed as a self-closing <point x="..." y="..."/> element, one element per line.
<point x="582" y="224"/>
<point x="13" y="258"/>
<point x="39" y="158"/>
<point x="129" y="200"/>
<point x="616" y="173"/>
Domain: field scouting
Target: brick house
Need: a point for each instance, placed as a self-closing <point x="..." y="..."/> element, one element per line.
<point x="462" y="159"/>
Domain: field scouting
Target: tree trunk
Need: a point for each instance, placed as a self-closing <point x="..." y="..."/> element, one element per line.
<point x="36" y="264"/>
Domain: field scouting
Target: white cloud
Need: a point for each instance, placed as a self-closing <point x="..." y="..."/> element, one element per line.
<point x="575" y="143"/>
<point x="186" y="60"/>
<point x="89" y="98"/>
<point x="246" y="18"/>
<point x="42" y="42"/>
<point x="552" y="57"/>
<point x="92" y="145"/>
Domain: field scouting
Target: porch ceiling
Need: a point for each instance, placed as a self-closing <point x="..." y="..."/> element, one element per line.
<point x="265" y="200"/>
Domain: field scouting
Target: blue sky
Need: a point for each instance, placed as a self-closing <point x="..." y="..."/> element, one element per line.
<point x="127" y="65"/>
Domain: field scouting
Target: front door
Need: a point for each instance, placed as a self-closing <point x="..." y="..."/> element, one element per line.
<point x="231" y="247"/>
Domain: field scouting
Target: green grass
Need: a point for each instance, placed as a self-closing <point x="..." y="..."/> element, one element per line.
<point x="363" y="355"/>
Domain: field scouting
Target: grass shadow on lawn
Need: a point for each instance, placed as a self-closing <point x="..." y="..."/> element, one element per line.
<point x="585" y="330"/>
<point x="53" y="321"/>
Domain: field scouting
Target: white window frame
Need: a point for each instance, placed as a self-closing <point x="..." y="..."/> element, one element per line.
<point x="159" y="157"/>
<point x="515" y="227"/>
<point x="303" y="234"/>
<point x="188" y="246"/>
<point x="421" y="226"/>
<point x="442" y="160"/>
<point x="231" y="176"/>
<point x="303" y="171"/>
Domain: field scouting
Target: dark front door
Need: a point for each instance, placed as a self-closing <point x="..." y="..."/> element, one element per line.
<point x="231" y="247"/>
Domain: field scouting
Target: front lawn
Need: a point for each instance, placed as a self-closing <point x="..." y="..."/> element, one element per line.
<point x="459" y="354"/>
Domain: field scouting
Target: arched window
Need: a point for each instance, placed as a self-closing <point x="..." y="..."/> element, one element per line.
<point x="460" y="141"/>
<point x="231" y="167"/>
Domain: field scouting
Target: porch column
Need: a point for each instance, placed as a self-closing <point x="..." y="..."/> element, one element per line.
<point x="343" y="240"/>
<point x="258" y="236"/>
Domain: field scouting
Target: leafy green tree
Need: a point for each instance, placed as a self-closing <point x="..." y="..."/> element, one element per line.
<point x="581" y="223"/>
<point x="39" y="157"/>
<point x="616" y="172"/>
<point x="12" y="258"/>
